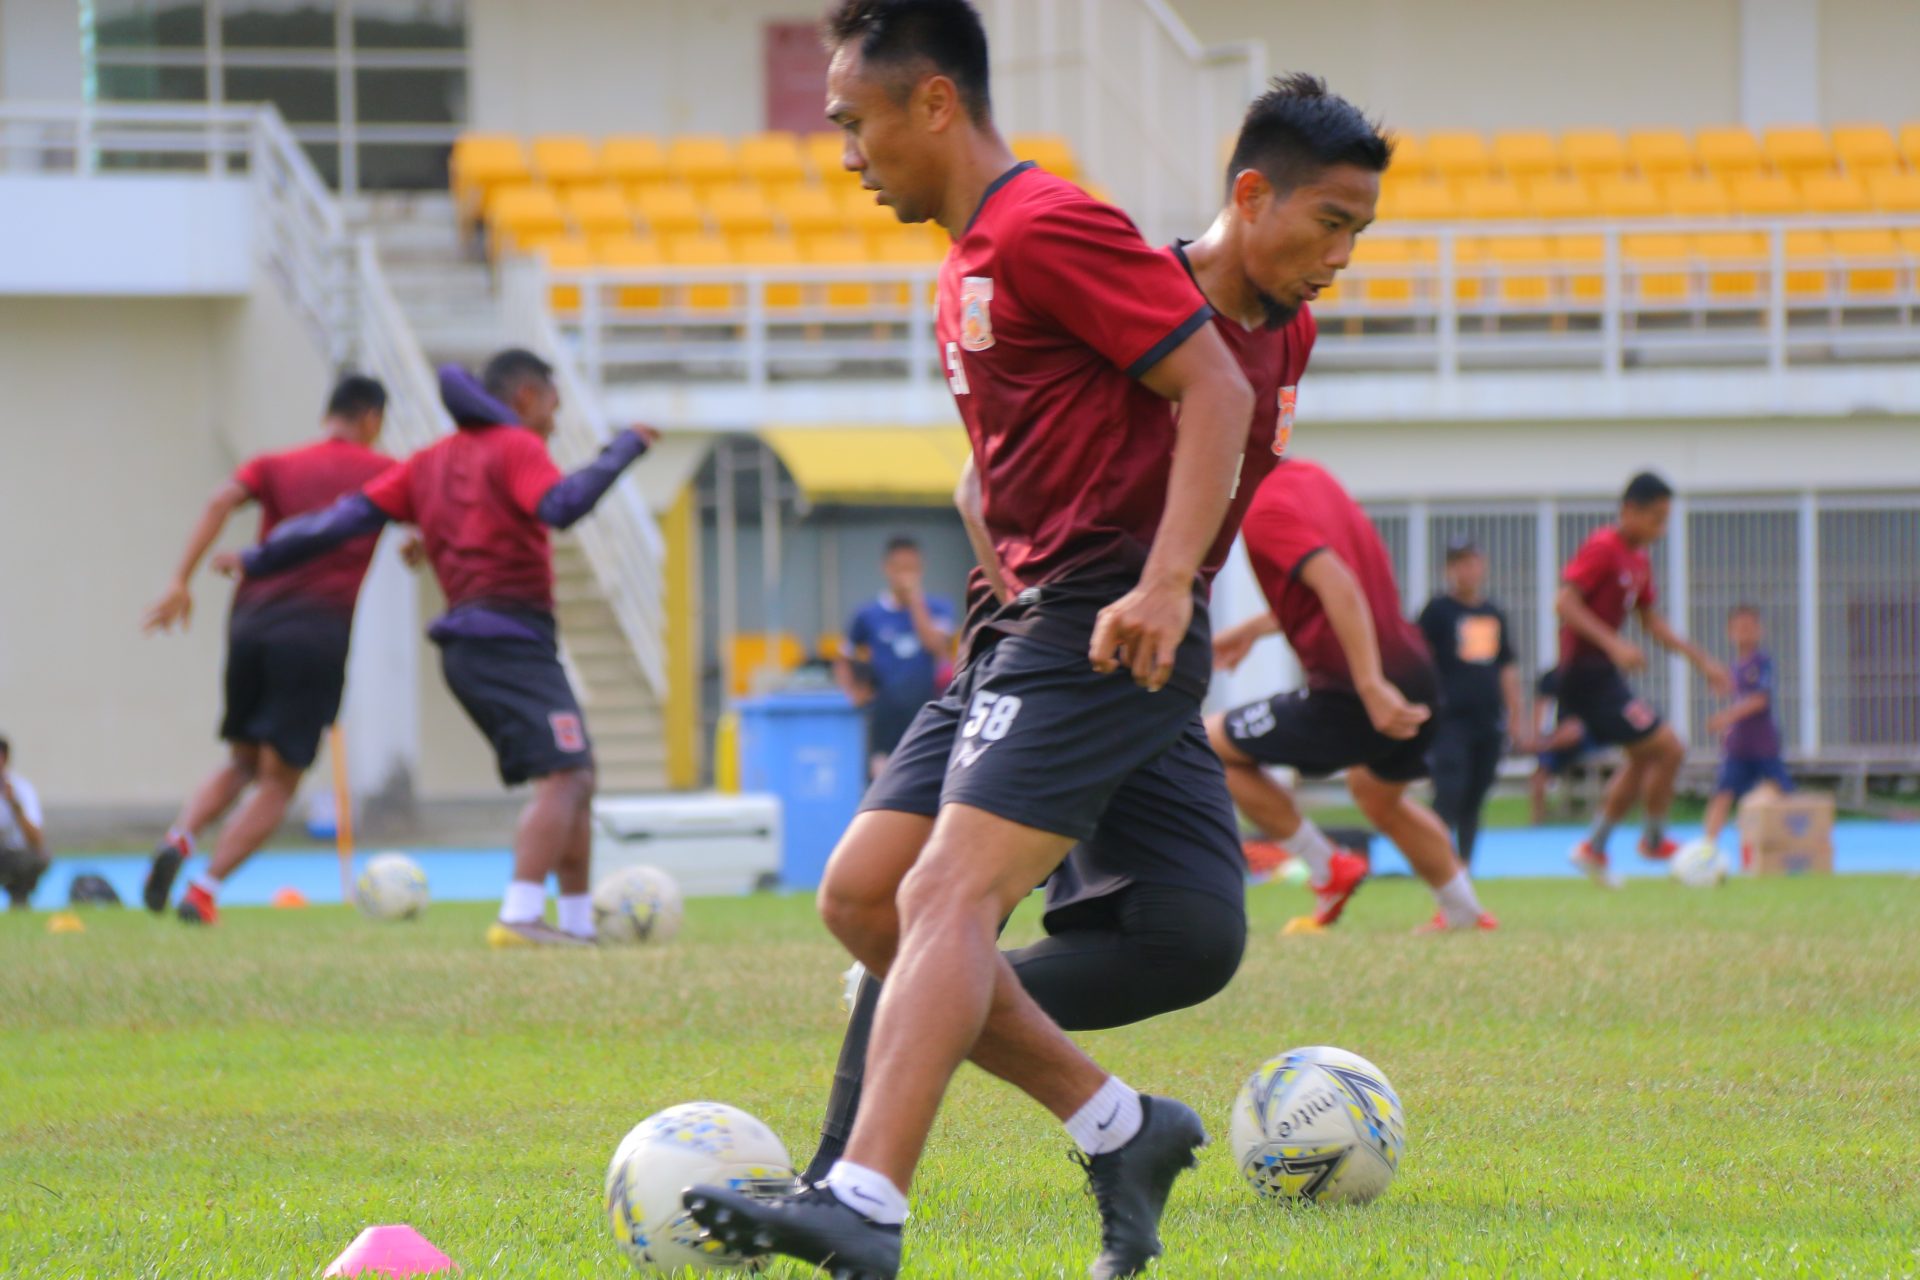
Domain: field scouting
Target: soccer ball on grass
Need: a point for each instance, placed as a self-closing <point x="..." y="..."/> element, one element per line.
<point x="694" y="1144"/>
<point x="392" y="887"/>
<point x="1318" y="1124"/>
<point x="637" y="904"/>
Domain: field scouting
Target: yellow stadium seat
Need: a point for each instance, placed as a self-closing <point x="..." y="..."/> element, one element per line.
<point x="1376" y="259"/>
<point x="1693" y="195"/>
<point x="1048" y="150"/>
<point x="1865" y="148"/>
<point x="842" y="249"/>
<point x="1796" y="149"/>
<point x="1519" y="287"/>
<point x="1910" y="144"/>
<point x="1894" y="191"/>
<point x="1492" y="198"/>
<point x="571" y="254"/>
<point x="773" y="251"/>
<point x="1469" y="280"/>
<point x="701" y="159"/>
<point x="1809" y="264"/>
<point x="564" y="159"/>
<point x="1657" y="153"/>
<point x="1581" y="251"/>
<point x="1560" y="196"/>
<point x="1410" y="158"/>
<point x="771" y="158"/>
<point x="1458" y="154"/>
<point x="670" y="210"/>
<point x="703" y="250"/>
<point x="1869" y="259"/>
<point x="1425" y="200"/>
<point x="519" y="216"/>
<point x="1831" y="192"/>
<point x="1764" y="194"/>
<point x="1668" y="253"/>
<point x="861" y="216"/>
<point x="1593" y="153"/>
<point x="1621" y="197"/>
<point x="825" y="154"/>
<point x="809" y="210"/>
<point x="1528" y="153"/>
<point x="739" y="209"/>
<point x="1908" y="238"/>
<point x="1728" y="151"/>
<point x="910" y="247"/>
<point x="630" y="253"/>
<point x="1744" y="255"/>
<point x="633" y="158"/>
<point x="598" y="211"/>
<point x="483" y="161"/>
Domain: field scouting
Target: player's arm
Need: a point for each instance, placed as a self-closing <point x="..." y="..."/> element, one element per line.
<point x="853" y="645"/>
<point x="563" y="503"/>
<point x="1142" y="630"/>
<point x="177" y="604"/>
<point x="1326" y="575"/>
<point x="26" y="817"/>
<point x="296" y="541"/>
<point x="1751" y="704"/>
<point x="967" y="500"/>
<point x="1571" y="608"/>
<point x="1511" y="695"/>
<point x="1231" y="647"/>
<point x="1663" y="634"/>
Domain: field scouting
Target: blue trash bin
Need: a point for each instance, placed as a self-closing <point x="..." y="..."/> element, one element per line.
<point x="809" y="749"/>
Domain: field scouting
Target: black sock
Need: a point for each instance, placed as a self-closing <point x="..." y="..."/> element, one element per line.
<point x="843" y="1104"/>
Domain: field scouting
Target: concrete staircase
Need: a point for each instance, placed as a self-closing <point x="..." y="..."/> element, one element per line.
<point x="448" y="296"/>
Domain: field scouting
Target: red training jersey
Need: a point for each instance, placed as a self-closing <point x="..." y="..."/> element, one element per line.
<point x="1299" y="511"/>
<point x="1050" y="309"/>
<point x="473" y="496"/>
<point x="294" y="482"/>
<point x="1274" y="361"/>
<point x="1615" y="579"/>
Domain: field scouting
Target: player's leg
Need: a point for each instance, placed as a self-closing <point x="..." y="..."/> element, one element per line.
<point x="203" y="807"/>
<point x="554" y="836"/>
<point x="276" y="783"/>
<point x="1613" y="716"/>
<point x="1453" y="765"/>
<point x="1420" y="835"/>
<point x="1486" y="752"/>
<point x="1661" y="753"/>
<point x="1719" y="809"/>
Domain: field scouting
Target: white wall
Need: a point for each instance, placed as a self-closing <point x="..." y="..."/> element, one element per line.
<point x="607" y="66"/>
<point x="40" y="51"/>
<point x="1869" y="60"/>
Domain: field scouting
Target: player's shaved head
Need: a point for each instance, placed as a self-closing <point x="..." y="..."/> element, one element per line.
<point x="1297" y="130"/>
<point x="905" y="40"/>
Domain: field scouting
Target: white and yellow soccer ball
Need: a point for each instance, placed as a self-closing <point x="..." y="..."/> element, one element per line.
<point x="1318" y="1124"/>
<point x="1700" y="865"/>
<point x="696" y="1143"/>
<point x="391" y="887"/>
<point x="637" y="904"/>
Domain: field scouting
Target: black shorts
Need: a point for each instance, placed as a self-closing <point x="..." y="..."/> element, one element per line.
<point x="1614" y="715"/>
<point x="518" y="696"/>
<point x="1031" y="733"/>
<point x="1322" y="731"/>
<point x="285" y="673"/>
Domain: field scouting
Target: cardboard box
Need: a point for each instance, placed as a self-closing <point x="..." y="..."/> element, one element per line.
<point x="1786" y="835"/>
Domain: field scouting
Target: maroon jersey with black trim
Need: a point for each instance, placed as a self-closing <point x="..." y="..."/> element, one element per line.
<point x="1274" y="361"/>
<point x="1615" y="579"/>
<point x="1050" y="309"/>
<point x="474" y="496"/>
<point x="294" y="482"/>
<point x="1299" y="511"/>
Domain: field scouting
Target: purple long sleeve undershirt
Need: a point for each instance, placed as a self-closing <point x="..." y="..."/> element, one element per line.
<point x="573" y="497"/>
<point x="296" y="541"/>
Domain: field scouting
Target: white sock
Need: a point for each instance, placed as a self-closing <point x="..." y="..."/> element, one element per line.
<point x="1108" y="1121"/>
<point x="1457" y="902"/>
<point x="207" y="883"/>
<point x="871" y="1195"/>
<point x="525" y="902"/>
<point x="1311" y="846"/>
<point x="576" y="914"/>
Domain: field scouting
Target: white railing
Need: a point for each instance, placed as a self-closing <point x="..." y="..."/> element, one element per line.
<point x="384" y="347"/>
<point x="1100" y="72"/>
<point x="621" y="540"/>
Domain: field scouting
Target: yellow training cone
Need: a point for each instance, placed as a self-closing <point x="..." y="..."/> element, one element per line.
<point x="65" y="922"/>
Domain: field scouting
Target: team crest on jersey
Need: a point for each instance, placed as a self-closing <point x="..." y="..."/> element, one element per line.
<point x="976" y="313"/>
<point x="1283" y="432"/>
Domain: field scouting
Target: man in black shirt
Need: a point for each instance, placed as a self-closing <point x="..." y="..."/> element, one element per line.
<point x="1473" y="651"/>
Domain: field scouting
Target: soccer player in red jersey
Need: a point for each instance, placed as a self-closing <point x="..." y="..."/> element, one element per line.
<point x="286" y="644"/>
<point x="1371" y="689"/>
<point x="1063" y="337"/>
<point x="484" y="499"/>
<point x="1609" y="580"/>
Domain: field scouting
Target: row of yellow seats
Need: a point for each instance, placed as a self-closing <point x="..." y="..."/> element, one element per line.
<point x="519" y="216"/>
<point x="1728" y="264"/>
<point x="905" y="247"/>
<point x="482" y="162"/>
<point x="1727" y="151"/>
<point x="1686" y="195"/>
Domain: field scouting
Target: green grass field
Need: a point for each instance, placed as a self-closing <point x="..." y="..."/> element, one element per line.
<point x="1653" y="1083"/>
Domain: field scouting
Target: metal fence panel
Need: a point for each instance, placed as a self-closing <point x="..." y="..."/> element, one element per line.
<point x="1745" y="556"/>
<point x="1395" y="528"/>
<point x="1869" y="591"/>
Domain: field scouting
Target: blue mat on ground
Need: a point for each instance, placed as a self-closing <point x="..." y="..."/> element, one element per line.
<point x="469" y="875"/>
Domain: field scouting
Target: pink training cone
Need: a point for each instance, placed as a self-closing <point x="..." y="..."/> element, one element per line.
<point x="390" y="1251"/>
